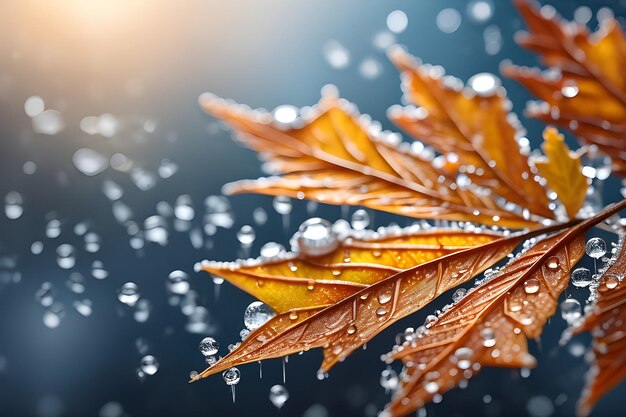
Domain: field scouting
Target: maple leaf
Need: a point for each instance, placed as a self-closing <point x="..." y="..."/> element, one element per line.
<point x="606" y="320"/>
<point x="563" y="172"/>
<point x="586" y="70"/>
<point x="345" y="325"/>
<point x="489" y="326"/>
<point x="333" y="155"/>
<point x="351" y="263"/>
<point x="473" y="124"/>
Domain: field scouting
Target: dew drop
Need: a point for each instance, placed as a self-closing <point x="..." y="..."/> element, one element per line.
<point x="484" y="83"/>
<point x="315" y="237"/>
<point x="596" y="248"/>
<point x="257" y="314"/>
<point x="231" y="376"/>
<point x="611" y="281"/>
<point x="360" y="219"/>
<point x="351" y="329"/>
<point x="531" y="285"/>
<point x="553" y="263"/>
<point x="209" y="346"/>
<point x="459" y="294"/>
<point x="381" y="311"/>
<point x="488" y="337"/>
<point x="272" y="250"/>
<point x="581" y="277"/>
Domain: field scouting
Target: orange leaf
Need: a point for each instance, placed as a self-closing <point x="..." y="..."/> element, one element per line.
<point x="607" y="324"/>
<point x="346" y="325"/>
<point x="333" y="155"/>
<point x="355" y="261"/>
<point x="489" y="326"/>
<point x="587" y="92"/>
<point x="563" y="172"/>
<point x="473" y="124"/>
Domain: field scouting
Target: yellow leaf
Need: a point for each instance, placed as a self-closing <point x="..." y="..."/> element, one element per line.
<point x="354" y="262"/>
<point x="345" y="325"/>
<point x="333" y="155"/>
<point x="563" y="172"/>
<point x="588" y="93"/>
<point x="474" y="124"/>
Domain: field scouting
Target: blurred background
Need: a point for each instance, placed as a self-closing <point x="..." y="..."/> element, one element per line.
<point x="107" y="168"/>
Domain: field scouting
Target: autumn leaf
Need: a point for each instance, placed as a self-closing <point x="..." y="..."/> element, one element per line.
<point x="490" y="325"/>
<point x="585" y="89"/>
<point x="606" y="321"/>
<point x="333" y="155"/>
<point x="354" y="261"/>
<point x="344" y="326"/>
<point x="472" y="123"/>
<point x="563" y="172"/>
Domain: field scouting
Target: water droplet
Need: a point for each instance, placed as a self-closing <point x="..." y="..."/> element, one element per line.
<point x="389" y="379"/>
<point x="531" y="285"/>
<point x="231" y="376"/>
<point x="459" y="294"/>
<point x="257" y="314"/>
<point x="581" y="277"/>
<point x="244" y="333"/>
<point x="384" y="297"/>
<point x="351" y="329"/>
<point x="282" y="205"/>
<point x="183" y="209"/>
<point x="315" y="237"/>
<point x="462" y="357"/>
<point x="193" y="374"/>
<point x="336" y="54"/>
<point x="285" y="114"/>
<point x="553" y="263"/>
<point x="89" y="162"/>
<point x="448" y="20"/>
<point x="570" y="310"/>
<point x="480" y="10"/>
<point x="167" y="168"/>
<point x="611" y="281"/>
<point x="209" y="346"/>
<point x="484" y="83"/>
<point x="156" y="230"/>
<point x="246" y="235"/>
<point x="45" y="294"/>
<point x="83" y="307"/>
<point x="430" y="321"/>
<point x="76" y="283"/>
<point x="48" y="122"/>
<point x="397" y="21"/>
<point x="381" y="311"/>
<point x="272" y="250"/>
<point x="596" y="247"/>
<point x="360" y="219"/>
<point x="13" y="205"/>
<point x="98" y="271"/>
<point x="431" y="387"/>
<point x="278" y="396"/>
<point x="149" y="365"/>
<point x="569" y="89"/>
<point x="178" y="282"/>
<point x="488" y="335"/>
<point x="129" y="293"/>
<point x="33" y="106"/>
<point x="53" y="315"/>
<point x="66" y="256"/>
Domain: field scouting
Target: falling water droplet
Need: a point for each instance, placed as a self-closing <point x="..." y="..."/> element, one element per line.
<point x="389" y="379"/>
<point x="89" y="162"/>
<point x="278" y="396"/>
<point x="570" y="310"/>
<point x="66" y="256"/>
<point x="484" y="83"/>
<point x="149" y="365"/>
<point x="488" y="335"/>
<point x="178" y="282"/>
<point x="246" y="235"/>
<point x="13" y="205"/>
<point x="129" y="293"/>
